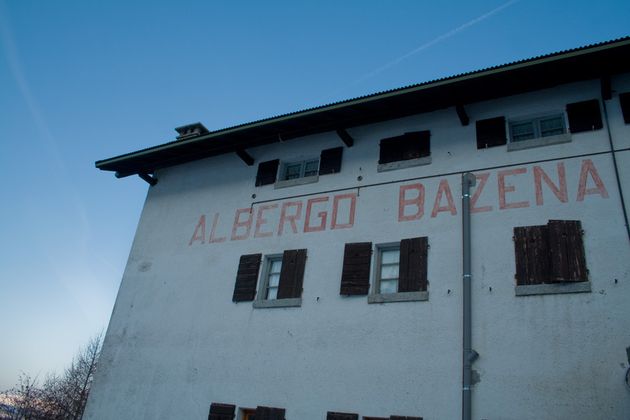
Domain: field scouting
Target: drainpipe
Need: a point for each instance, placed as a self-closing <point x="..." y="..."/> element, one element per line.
<point x="469" y="355"/>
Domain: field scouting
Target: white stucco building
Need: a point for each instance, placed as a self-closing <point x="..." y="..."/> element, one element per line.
<point x="311" y="263"/>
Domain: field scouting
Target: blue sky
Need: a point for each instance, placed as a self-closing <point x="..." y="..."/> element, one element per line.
<point x="85" y="80"/>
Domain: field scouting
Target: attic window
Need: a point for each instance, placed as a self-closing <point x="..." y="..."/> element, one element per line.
<point x="191" y="130"/>
<point x="410" y="149"/>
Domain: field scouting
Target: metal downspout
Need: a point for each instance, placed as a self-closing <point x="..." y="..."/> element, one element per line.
<point x="469" y="355"/>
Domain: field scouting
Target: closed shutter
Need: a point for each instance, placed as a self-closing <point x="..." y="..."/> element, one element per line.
<point x="411" y="145"/>
<point x="584" y="116"/>
<point x="624" y="102"/>
<point x="330" y="161"/>
<point x="355" y="275"/>
<point x="491" y="132"/>
<point x="246" y="278"/>
<point x="412" y="276"/>
<point x="269" y="413"/>
<point x="531" y="250"/>
<point x="568" y="262"/>
<point x="404" y="418"/>
<point x="291" y="274"/>
<point x="341" y="416"/>
<point x="221" y="411"/>
<point x="267" y="172"/>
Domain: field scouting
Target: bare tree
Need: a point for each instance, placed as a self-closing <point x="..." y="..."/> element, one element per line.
<point x="62" y="397"/>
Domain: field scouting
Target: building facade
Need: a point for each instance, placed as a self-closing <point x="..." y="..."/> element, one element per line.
<point x="312" y="263"/>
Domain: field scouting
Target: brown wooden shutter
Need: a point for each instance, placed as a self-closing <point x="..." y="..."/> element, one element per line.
<point x="246" y="278"/>
<point x="411" y="145"/>
<point x="269" y="413"/>
<point x="412" y="274"/>
<point x="220" y="411"/>
<point x="267" y="172"/>
<point x="531" y="250"/>
<point x="355" y="275"/>
<point x="292" y="274"/>
<point x="331" y="415"/>
<point x="330" y="161"/>
<point x="566" y="250"/>
<point x="491" y="132"/>
<point x="404" y="418"/>
<point x="624" y="102"/>
<point x="584" y="116"/>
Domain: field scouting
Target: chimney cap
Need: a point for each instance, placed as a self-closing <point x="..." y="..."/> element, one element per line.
<point x="191" y="130"/>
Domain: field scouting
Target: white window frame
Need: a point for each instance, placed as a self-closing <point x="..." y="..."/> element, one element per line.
<point x="538" y="140"/>
<point x="282" y="182"/>
<point x="375" y="295"/>
<point x="261" y="300"/>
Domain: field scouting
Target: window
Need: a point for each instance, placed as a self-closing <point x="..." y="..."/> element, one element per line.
<point x="331" y="415"/>
<point x="549" y="125"/>
<point x="550" y="258"/>
<point x="300" y="169"/>
<point x="247" y="414"/>
<point x="281" y="282"/>
<point x="490" y="132"/>
<point x="410" y="149"/>
<point x="400" y="272"/>
<point x="220" y="411"/>
<point x="299" y="172"/>
<point x="269" y="413"/>
<point x="584" y="116"/>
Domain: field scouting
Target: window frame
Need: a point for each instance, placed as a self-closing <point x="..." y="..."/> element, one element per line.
<point x="538" y="140"/>
<point x="302" y="179"/>
<point x="261" y="300"/>
<point x="375" y="295"/>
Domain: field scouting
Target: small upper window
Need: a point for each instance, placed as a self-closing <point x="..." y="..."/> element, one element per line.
<point x="301" y="169"/>
<point x="550" y="125"/>
<point x="410" y="149"/>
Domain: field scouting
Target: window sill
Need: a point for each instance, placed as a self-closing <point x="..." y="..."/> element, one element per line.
<point x="297" y="181"/>
<point x="538" y="142"/>
<point x="278" y="303"/>
<point x="553" y="289"/>
<point x="402" y="164"/>
<point x="398" y="297"/>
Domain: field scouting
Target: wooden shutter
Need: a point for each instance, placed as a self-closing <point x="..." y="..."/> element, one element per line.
<point x="531" y="250"/>
<point x="330" y="161"/>
<point x="221" y="411"/>
<point x="624" y="102"/>
<point x="411" y="145"/>
<point x="267" y="172"/>
<point x="291" y="274"/>
<point x="566" y="250"/>
<point x="355" y="275"/>
<point x="246" y="278"/>
<point x="269" y="413"/>
<point x="331" y="415"/>
<point x="491" y="132"/>
<point x="404" y="418"/>
<point x="584" y="116"/>
<point x="412" y="274"/>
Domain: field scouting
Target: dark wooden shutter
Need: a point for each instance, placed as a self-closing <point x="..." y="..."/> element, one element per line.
<point x="412" y="275"/>
<point x="566" y="250"/>
<point x="330" y="161"/>
<point x="404" y="418"/>
<point x="331" y="415"/>
<point x="267" y="172"/>
<point x="246" y="278"/>
<point x="269" y="413"/>
<point x="491" y="132"/>
<point x="584" y="116"/>
<point x="355" y="275"/>
<point x="624" y="102"/>
<point x="221" y="411"/>
<point x="291" y="274"/>
<point x="531" y="250"/>
<point x="411" y="145"/>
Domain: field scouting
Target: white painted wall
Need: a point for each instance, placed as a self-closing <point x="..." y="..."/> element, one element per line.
<point x="176" y="342"/>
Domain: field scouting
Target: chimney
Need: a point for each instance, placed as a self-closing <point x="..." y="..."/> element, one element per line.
<point x="191" y="130"/>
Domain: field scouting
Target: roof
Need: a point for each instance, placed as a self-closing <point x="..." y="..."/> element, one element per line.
<point x="588" y="62"/>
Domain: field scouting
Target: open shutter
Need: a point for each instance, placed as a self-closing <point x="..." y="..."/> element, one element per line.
<point x="413" y="265"/>
<point x="624" y="102"/>
<point x="491" y="132"/>
<point x="331" y="415"/>
<point x="584" y="116"/>
<point x="269" y="413"/>
<point x="355" y="275"/>
<point x="291" y="274"/>
<point x="531" y="252"/>
<point x="568" y="262"/>
<point x="246" y="278"/>
<point x="221" y="411"/>
<point x="330" y="161"/>
<point x="267" y="172"/>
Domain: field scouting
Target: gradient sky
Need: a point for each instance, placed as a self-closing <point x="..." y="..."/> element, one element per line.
<point x="83" y="80"/>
